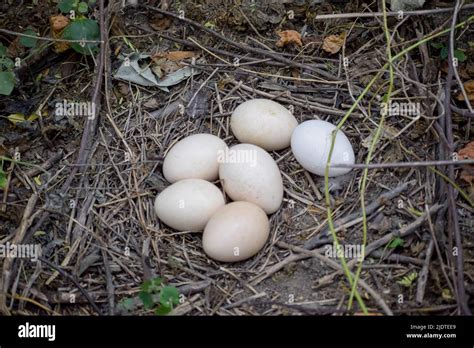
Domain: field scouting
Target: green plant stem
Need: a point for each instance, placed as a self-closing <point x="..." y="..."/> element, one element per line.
<point x="339" y="126"/>
<point x="452" y="183"/>
<point x="371" y="151"/>
<point x="3" y="158"/>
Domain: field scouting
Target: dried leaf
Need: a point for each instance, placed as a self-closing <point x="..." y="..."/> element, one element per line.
<point x="289" y="37"/>
<point x="469" y="87"/>
<point x="160" y="22"/>
<point x="176" y="56"/>
<point x="312" y="40"/>
<point x="333" y="43"/>
<point x="467" y="152"/>
<point x="37" y="180"/>
<point x="151" y="103"/>
<point x="447" y="295"/>
<point x="132" y="71"/>
<point x="18" y="118"/>
<point x="166" y="63"/>
<point x="467" y="173"/>
<point x="58" y="23"/>
<point x="470" y="70"/>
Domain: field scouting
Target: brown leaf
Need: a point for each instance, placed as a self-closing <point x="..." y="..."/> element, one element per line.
<point x="160" y="22"/>
<point x="467" y="152"/>
<point x="468" y="175"/>
<point x="289" y="37"/>
<point x="470" y="70"/>
<point x="58" y="23"/>
<point x="175" y="56"/>
<point x="469" y="87"/>
<point x="312" y="40"/>
<point x="333" y="43"/>
<point x="167" y="62"/>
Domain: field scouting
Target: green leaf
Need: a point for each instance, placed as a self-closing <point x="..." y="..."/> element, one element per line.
<point x="3" y="50"/>
<point x="209" y="25"/>
<point x="156" y="283"/>
<point x="460" y="55"/>
<point x="437" y="45"/>
<point x="408" y="280"/>
<point x="163" y="310"/>
<point x="169" y="296"/>
<point x="65" y="6"/>
<point x="83" y="29"/>
<point x="147" y="299"/>
<point x="128" y="304"/>
<point x="151" y="285"/>
<point x="7" y="82"/>
<point x="6" y="63"/>
<point x="29" y="41"/>
<point x="83" y="7"/>
<point x="395" y="243"/>
<point x="444" y="53"/>
<point x="16" y="118"/>
<point x="91" y="2"/>
<point x="146" y="286"/>
<point x="3" y="178"/>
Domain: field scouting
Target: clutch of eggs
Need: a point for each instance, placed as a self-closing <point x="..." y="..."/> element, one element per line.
<point x="248" y="175"/>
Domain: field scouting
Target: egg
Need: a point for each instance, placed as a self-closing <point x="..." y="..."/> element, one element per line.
<point x="248" y="173"/>
<point x="236" y="232"/>
<point x="194" y="157"/>
<point x="187" y="205"/>
<point x="311" y="142"/>
<point x="264" y="123"/>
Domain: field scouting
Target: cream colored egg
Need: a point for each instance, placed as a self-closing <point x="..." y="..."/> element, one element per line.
<point x="187" y="205"/>
<point x="236" y="232"/>
<point x="264" y="123"/>
<point x="248" y="173"/>
<point x="194" y="157"/>
<point x="311" y="143"/>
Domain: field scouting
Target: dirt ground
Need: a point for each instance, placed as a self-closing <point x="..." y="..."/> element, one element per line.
<point x="88" y="201"/>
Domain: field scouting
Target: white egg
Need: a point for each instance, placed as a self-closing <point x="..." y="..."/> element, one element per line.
<point x="187" y="205"/>
<point x="264" y="123"/>
<point x="194" y="157"/>
<point x="236" y="232"/>
<point x="248" y="173"/>
<point x="311" y="142"/>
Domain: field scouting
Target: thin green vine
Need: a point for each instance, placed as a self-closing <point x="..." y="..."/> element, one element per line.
<point x="371" y="151"/>
<point x="347" y="272"/>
